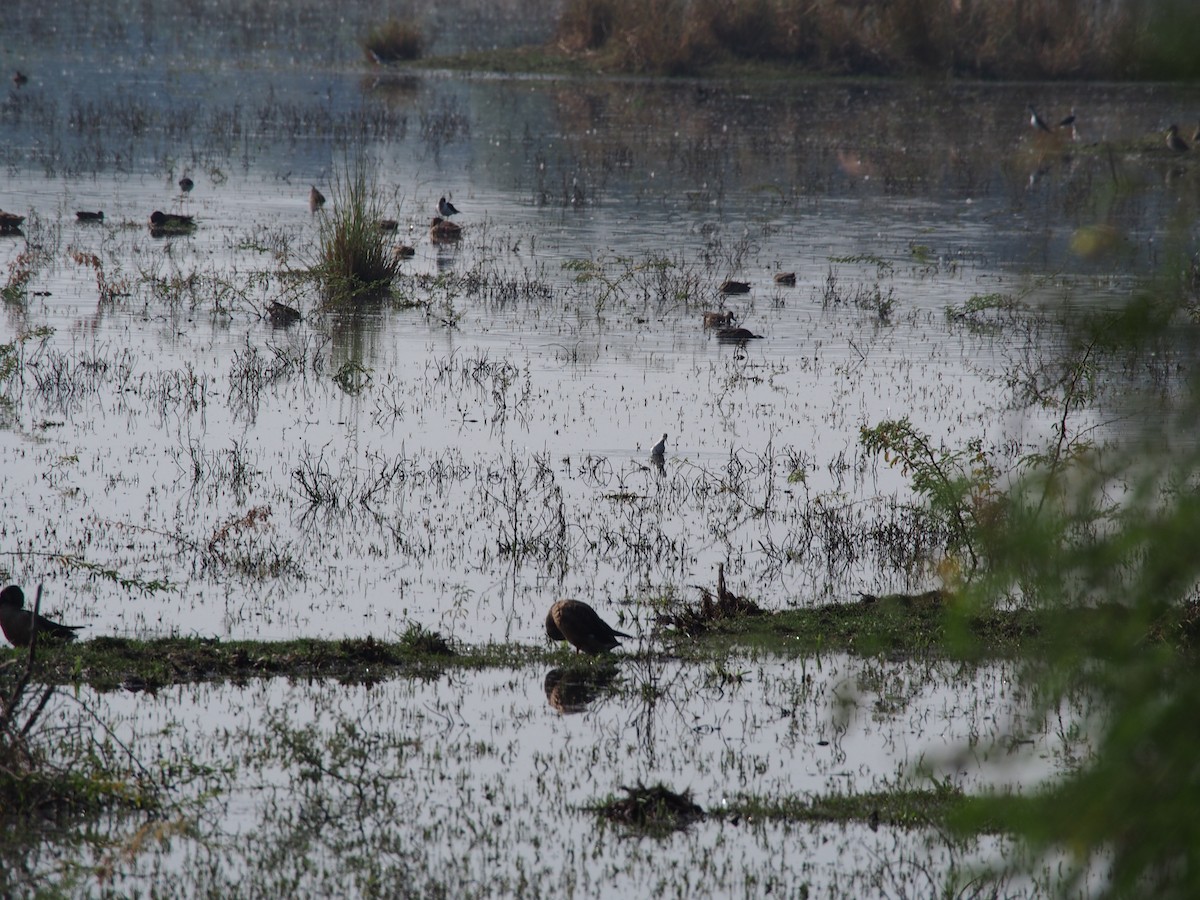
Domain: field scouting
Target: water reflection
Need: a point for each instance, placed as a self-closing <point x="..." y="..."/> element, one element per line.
<point x="571" y="689"/>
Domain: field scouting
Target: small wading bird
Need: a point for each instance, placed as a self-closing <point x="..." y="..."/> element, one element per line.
<point x="315" y="198"/>
<point x="441" y="231"/>
<point x="660" y="448"/>
<point x="1036" y="121"/>
<point x="1174" y="141"/>
<point x="1069" y="123"/>
<point x="17" y="622"/>
<point x="446" y="209"/>
<point x="575" y="621"/>
<point x="786" y="278"/>
<point x="186" y="184"/>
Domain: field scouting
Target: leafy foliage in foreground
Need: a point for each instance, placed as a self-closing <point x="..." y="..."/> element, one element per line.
<point x="1096" y="541"/>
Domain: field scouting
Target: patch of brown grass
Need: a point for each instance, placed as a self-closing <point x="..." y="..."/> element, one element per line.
<point x="393" y="41"/>
<point x="993" y="39"/>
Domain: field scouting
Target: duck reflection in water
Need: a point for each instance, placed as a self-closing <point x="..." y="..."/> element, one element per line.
<point x="569" y="689"/>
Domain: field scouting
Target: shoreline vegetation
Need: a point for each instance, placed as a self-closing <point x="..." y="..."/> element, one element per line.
<point x="1044" y="40"/>
<point x="929" y="625"/>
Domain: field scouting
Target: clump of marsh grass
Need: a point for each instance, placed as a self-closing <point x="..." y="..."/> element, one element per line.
<point x="355" y="261"/>
<point x="393" y="41"/>
<point x="656" y="810"/>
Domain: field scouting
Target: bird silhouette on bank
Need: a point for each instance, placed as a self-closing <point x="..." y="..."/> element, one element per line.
<point x="578" y="623"/>
<point x="17" y="622"/>
<point x="446" y="209"/>
<point x="659" y="449"/>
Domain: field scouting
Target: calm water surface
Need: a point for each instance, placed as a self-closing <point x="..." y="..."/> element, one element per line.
<point x="486" y="452"/>
<point x="517" y="438"/>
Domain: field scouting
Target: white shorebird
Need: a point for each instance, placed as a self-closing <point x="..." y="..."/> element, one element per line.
<point x="1036" y="121"/>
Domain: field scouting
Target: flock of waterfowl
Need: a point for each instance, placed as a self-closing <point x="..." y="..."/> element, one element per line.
<point x="1174" y="141"/>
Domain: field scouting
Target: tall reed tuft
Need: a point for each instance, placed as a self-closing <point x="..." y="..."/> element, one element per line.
<point x="355" y="262"/>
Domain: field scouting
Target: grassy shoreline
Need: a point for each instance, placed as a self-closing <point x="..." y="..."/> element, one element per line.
<point x="899" y="626"/>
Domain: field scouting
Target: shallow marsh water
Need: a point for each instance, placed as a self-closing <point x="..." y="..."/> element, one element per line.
<point x="494" y="449"/>
<point x="475" y="784"/>
<point x="464" y="465"/>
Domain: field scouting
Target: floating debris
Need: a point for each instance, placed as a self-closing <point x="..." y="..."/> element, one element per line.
<point x="656" y="808"/>
<point x="695" y="619"/>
